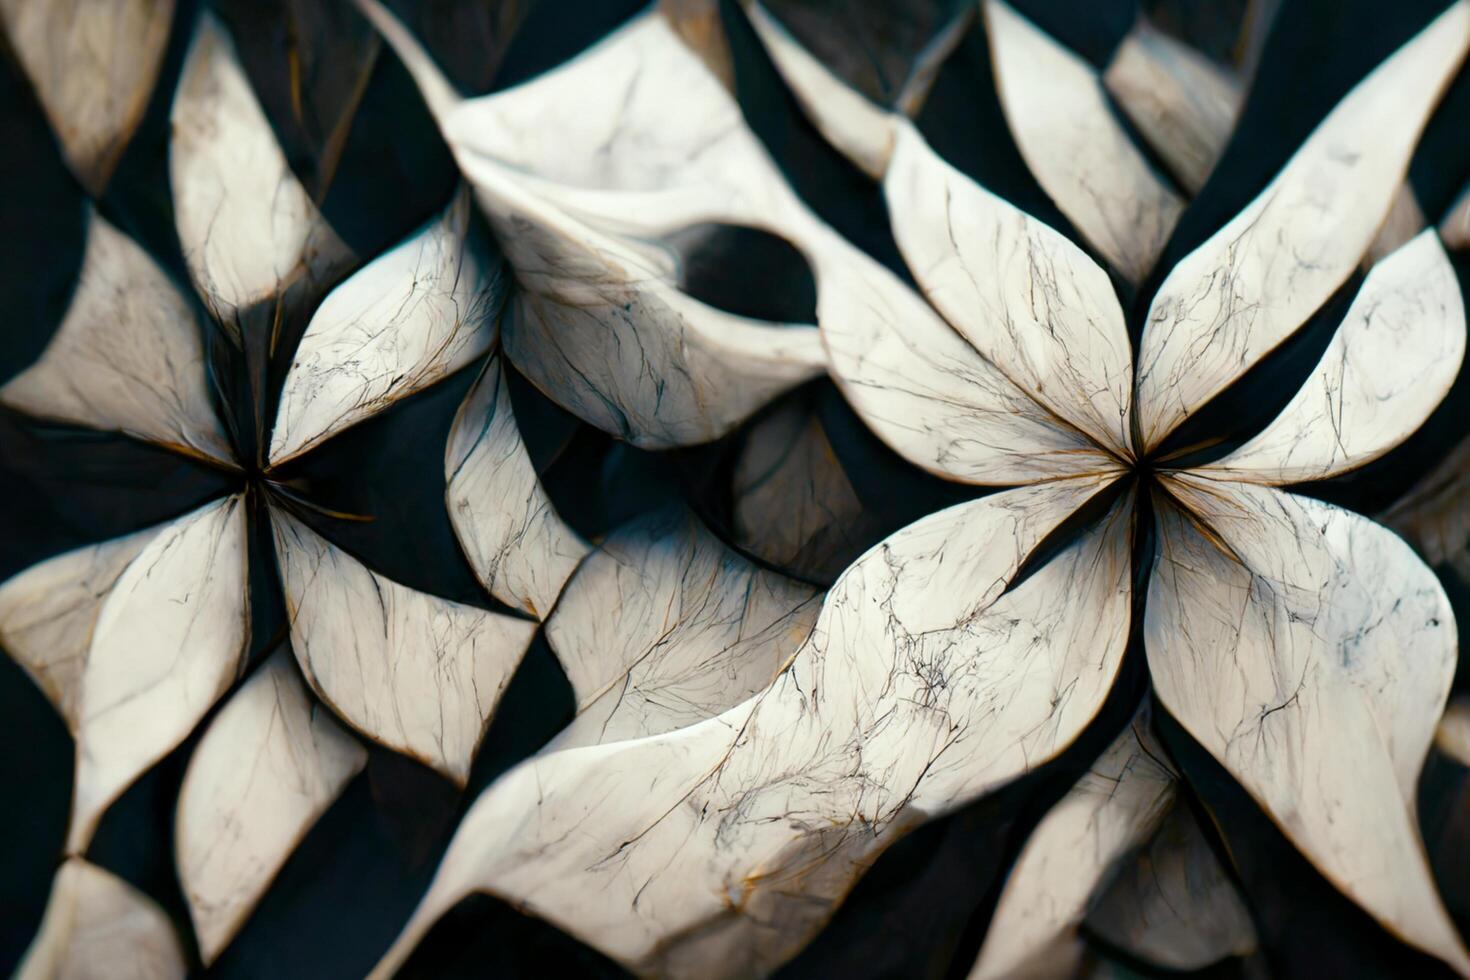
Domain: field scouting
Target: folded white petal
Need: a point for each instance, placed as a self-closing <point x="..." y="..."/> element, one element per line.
<point x="1313" y="660"/>
<point x="1390" y="364"/>
<point x="128" y="356"/>
<point x="664" y="626"/>
<point x="1255" y="281"/>
<point x="417" y="673"/>
<point x="268" y="766"/>
<point x="409" y="318"/>
<point x="97" y="925"/>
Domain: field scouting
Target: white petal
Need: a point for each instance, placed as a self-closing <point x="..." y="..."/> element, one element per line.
<point x="1455" y="227"/>
<point x="420" y="674"/>
<point x="1256" y="280"/>
<point x="1174" y="906"/>
<point x="1027" y="299"/>
<point x="128" y="356"/>
<point x="518" y="546"/>
<point x="1071" y="856"/>
<point x="96" y="926"/>
<point x="1433" y="517"/>
<point x="1058" y="112"/>
<point x="716" y="850"/>
<point x="409" y="318"/>
<point x="269" y="765"/>
<point x="663" y="626"/>
<point x="1452" y="737"/>
<point x="247" y="227"/>
<point x="1183" y="104"/>
<point x="165" y="646"/>
<point x="1392" y="361"/>
<point x="1313" y="662"/>
<point x="93" y="67"/>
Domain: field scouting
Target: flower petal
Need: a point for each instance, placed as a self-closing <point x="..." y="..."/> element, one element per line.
<point x="97" y="925"/>
<point x="1391" y="363"/>
<point x="1022" y="295"/>
<point x="1071" y="855"/>
<point x="663" y="626"/>
<point x="1255" y="281"/>
<point x="520" y="548"/>
<point x="128" y="356"/>
<point x="93" y="70"/>
<point x="1452" y="736"/>
<point x="420" y="674"/>
<point x="406" y="320"/>
<point x="1433" y="517"/>
<point x="268" y="766"/>
<point x="1455" y="226"/>
<point x="1311" y="652"/>
<point x="1058" y="112"/>
<point x="716" y="850"/>
<point x="247" y="227"/>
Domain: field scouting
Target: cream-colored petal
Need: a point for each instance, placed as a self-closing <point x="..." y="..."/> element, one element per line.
<point x="1058" y="112"/>
<point x="166" y="644"/>
<point x="128" y="356"/>
<point x="664" y="626"/>
<point x="420" y="674"/>
<point x="406" y="320"/>
<point x="1072" y="855"/>
<point x="268" y="766"/>
<point x="1391" y="363"/>
<point x="1255" y="281"/>
<point x="247" y="227"/>
<point x="1313" y="660"/>
<point x="520" y="549"/>
<point x="1452" y="737"/>
<point x="718" y="849"/>
<point x="1022" y="295"/>
<point x="93" y="64"/>
<point x="98" y="927"/>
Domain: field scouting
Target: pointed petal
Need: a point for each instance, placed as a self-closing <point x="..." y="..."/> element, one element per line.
<point x="1071" y="856"/>
<point x="522" y="551"/>
<point x="97" y="925"/>
<point x="268" y="766"/>
<point x="1313" y="661"/>
<point x="128" y="356"/>
<point x="247" y="227"/>
<point x="166" y="644"/>
<point x="663" y="626"/>
<point x="1256" y="280"/>
<point x="1452" y="737"/>
<point x="1391" y="363"/>
<point x="417" y="673"/>
<point x="1058" y="112"/>
<point x="93" y="70"/>
<point x="716" y="850"/>
<point x="1027" y="299"/>
<point x="406" y="320"/>
<point x="1183" y="103"/>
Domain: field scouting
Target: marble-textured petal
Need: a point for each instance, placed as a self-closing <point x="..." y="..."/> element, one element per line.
<point x="97" y="925"/>
<point x="128" y="356"/>
<point x="1255" y="281"/>
<point x="93" y="65"/>
<point x="664" y="626"/>
<point x="1071" y="857"/>
<point x="718" y="849"/>
<point x="1311" y="652"/>
<point x="268" y="766"/>
<point x="1455" y="226"/>
<point x="420" y="674"/>
<point x="1174" y="905"/>
<point x="167" y="643"/>
<point x="1391" y="363"/>
<point x="409" y="318"/>
<point x="1433" y="516"/>
<point x="1027" y="299"/>
<point x="931" y="396"/>
<point x="1058" y="112"/>
<point x="522" y="551"/>
<point x="48" y="612"/>
<point x="247" y="227"/>
<point x="1183" y="103"/>
<point x="1452" y="737"/>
